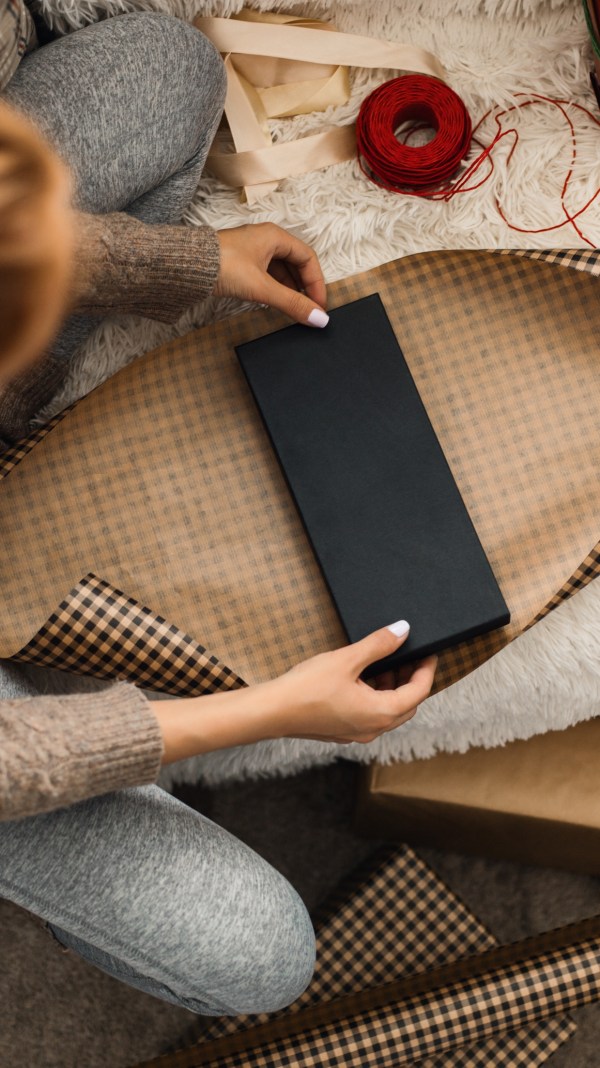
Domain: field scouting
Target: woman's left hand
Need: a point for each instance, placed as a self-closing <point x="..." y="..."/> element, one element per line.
<point x="264" y="263"/>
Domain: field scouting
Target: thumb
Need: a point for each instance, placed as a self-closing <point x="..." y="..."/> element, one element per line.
<point x="297" y="305"/>
<point x="380" y="643"/>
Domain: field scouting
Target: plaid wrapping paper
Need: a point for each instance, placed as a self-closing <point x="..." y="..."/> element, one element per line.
<point x="393" y="919"/>
<point x="185" y="509"/>
<point x="15" y="453"/>
<point x="98" y="630"/>
<point x="433" y="1024"/>
<point x="579" y="259"/>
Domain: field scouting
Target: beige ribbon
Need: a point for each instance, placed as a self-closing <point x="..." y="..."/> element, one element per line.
<point x="279" y="66"/>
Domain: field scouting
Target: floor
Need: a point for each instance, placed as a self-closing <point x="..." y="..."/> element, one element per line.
<point x="58" y="1012"/>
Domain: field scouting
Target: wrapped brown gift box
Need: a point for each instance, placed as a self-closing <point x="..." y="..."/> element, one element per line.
<point x="534" y="801"/>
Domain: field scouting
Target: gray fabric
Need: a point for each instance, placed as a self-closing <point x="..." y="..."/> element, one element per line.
<point x="163" y="899"/>
<point x="136" y="882"/>
<point x="14" y="683"/>
<point x="132" y="105"/>
<point x="158" y="896"/>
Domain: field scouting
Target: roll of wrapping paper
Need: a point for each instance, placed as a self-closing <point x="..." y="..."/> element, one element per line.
<point x="366" y="938"/>
<point x="408" y="1021"/>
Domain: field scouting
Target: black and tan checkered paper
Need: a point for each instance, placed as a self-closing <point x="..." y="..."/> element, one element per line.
<point x="392" y="920"/>
<point x="97" y="630"/>
<point x="430" y="1026"/>
<point x="162" y="482"/>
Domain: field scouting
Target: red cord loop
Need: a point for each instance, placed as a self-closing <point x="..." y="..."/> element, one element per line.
<point x="412" y="98"/>
<point x="425" y="170"/>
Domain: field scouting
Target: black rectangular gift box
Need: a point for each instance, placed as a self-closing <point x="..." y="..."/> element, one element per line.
<point x="377" y="498"/>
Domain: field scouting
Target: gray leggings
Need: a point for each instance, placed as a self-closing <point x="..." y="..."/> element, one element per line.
<point x="136" y="882"/>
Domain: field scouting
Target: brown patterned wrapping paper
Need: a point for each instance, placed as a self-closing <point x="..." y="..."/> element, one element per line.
<point x="392" y="920"/>
<point x="426" y="1025"/>
<point x="97" y="630"/>
<point x="162" y="485"/>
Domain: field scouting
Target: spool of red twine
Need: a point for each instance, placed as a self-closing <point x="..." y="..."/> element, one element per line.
<point x="412" y="99"/>
<point x="430" y="171"/>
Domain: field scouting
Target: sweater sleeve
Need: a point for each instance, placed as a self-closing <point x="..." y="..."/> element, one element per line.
<point x="56" y="750"/>
<point x="124" y="265"/>
<point x="17" y="36"/>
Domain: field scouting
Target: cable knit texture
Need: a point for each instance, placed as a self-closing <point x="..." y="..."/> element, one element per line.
<point x="124" y="265"/>
<point x="48" y="760"/>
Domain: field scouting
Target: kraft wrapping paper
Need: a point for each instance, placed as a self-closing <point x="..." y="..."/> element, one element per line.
<point x="531" y="802"/>
<point x="163" y="485"/>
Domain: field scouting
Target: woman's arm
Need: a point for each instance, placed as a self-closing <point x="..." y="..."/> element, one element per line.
<point x="124" y="265"/>
<point x="323" y="698"/>
<point x="55" y="751"/>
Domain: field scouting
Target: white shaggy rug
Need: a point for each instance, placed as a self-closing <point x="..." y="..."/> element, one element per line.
<point x="492" y="49"/>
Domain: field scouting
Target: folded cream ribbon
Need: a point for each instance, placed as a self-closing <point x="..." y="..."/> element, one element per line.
<point x="280" y="65"/>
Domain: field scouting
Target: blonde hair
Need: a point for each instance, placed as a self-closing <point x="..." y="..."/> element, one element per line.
<point x="35" y="241"/>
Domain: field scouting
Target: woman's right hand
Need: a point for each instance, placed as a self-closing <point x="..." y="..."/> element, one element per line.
<point x="323" y="698"/>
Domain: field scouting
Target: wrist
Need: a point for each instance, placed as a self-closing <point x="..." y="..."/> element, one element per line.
<point x="125" y="265"/>
<point x="195" y="725"/>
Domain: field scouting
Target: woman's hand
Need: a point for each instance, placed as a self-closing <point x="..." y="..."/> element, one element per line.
<point x="263" y="263"/>
<point x="323" y="698"/>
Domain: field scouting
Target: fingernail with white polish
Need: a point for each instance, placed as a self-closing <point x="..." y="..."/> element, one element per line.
<point x="318" y="317"/>
<point x="400" y="628"/>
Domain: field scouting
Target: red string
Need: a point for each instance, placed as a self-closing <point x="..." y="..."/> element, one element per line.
<point x="419" y="101"/>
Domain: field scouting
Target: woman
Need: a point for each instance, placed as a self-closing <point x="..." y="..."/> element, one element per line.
<point x="124" y="874"/>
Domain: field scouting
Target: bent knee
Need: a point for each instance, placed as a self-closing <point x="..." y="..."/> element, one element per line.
<point x="269" y="964"/>
<point x="284" y="966"/>
<point x="182" y="53"/>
